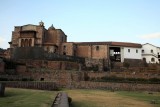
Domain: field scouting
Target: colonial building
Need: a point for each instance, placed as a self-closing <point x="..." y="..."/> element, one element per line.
<point x="30" y="40"/>
<point x="37" y="36"/>
<point x="150" y="53"/>
<point x="54" y="40"/>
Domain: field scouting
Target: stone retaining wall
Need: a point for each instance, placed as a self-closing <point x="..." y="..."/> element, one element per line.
<point x="61" y="100"/>
<point x="117" y="86"/>
<point x="33" y="85"/>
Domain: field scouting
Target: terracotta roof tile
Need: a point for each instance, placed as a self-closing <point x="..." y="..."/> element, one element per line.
<point x="124" y="44"/>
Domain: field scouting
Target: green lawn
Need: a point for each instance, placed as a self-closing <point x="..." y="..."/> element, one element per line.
<point x="27" y="98"/>
<point x="103" y="98"/>
<point x="80" y="98"/>
<point x="143" y="96"/>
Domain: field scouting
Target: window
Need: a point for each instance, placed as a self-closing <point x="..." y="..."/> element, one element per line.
<point x="136" y="50"/>
<point x="42" y="79"/>
<point x="55" y="50"/>
<point x="129" y="50"/>
<point x="26" y="43"/>
<point x="48" y="49"/>
<point x="152" y="60"/>
<point x="144" y="59"/>
<point x="158" y="55"/>
<point x="22" y="43"/>
<point x="30" y="42"/>
<point x="64" y="47"/>
<point x="142" y="51"/>
<point x="62" y="39"/>
<point x="97" y="48"/>
<point x="151" y="51"/>
<point x="64" y="53"/>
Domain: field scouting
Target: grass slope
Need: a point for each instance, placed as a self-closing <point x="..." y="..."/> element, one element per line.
<point x="80" y="98"/>
<point x="27" y="98"/>
<point x="142" y="96"/>
<point x="100" y="98"/>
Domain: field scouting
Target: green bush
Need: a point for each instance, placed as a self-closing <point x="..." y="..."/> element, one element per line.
<point x="126" y="64"/>
<point x="155" y="80"/>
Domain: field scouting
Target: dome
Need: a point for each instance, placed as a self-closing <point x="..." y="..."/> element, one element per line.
<point x="51" y="36"/>
<point x="41" y="23"/>
<point x="51" y="27"/>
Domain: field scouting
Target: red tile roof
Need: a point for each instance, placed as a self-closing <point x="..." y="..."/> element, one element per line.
<point x="124" y="44"/>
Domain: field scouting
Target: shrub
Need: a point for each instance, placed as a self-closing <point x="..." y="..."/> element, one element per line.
<point x="126" y="64"/>
<point x="154" y="80"/>
<point x="24" y="79"/>
<point x="69" y="100"/>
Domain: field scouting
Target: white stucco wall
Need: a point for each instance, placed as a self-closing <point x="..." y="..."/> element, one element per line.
<point x="135" y="53"/>
<point x="147" y="49"/>
<point x="158" y="50"/>
<point x="148" y="55"/>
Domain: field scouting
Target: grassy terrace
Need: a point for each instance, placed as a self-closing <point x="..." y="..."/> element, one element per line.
<point x="27" y="98"/>
<point x="80" y="98"/>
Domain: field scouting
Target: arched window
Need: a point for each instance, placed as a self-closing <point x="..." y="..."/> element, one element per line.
<point x="144" y="59"/>
<point x="26" y="43"/>
<point x="64" y="53"/>
<point x="97" y="48"/>
<point x="48" y="49"/>
<point x="142" y="51"/>
<point x="64" y="47"/>
<point x="151" y="51"/>
<point x="152" y="60"/>
<point x="30" y="42"/>
<point x="22" y="42"/>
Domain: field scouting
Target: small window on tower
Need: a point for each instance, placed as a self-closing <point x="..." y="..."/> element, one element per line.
<point x="136" y="50"/>
<point x="62" y="38"/>
<point x="97" y="48"/>
<point x="64" y="47"/>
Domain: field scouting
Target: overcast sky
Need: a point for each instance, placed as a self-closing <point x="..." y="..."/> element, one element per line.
<point x="136" y="21"/>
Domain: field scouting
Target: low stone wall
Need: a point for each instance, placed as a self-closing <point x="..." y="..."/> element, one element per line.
<point x="117" y="86"/>
<point x="133" y="73"/>
<point x="85" y="85"/>
<point x="61" y="100"/>
<point x="38" y="53"/>
<point x="33" y="85"/>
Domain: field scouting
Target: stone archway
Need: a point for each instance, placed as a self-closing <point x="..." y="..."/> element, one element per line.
<point x="30" y="42"/>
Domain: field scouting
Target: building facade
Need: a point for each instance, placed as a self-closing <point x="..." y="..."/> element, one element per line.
<point x="37" y="36"/>
<point x="54" y="40"/>
<point x="150" y="53"/>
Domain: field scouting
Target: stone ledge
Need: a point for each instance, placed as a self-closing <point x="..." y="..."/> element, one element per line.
<point x="61" y="100"/>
